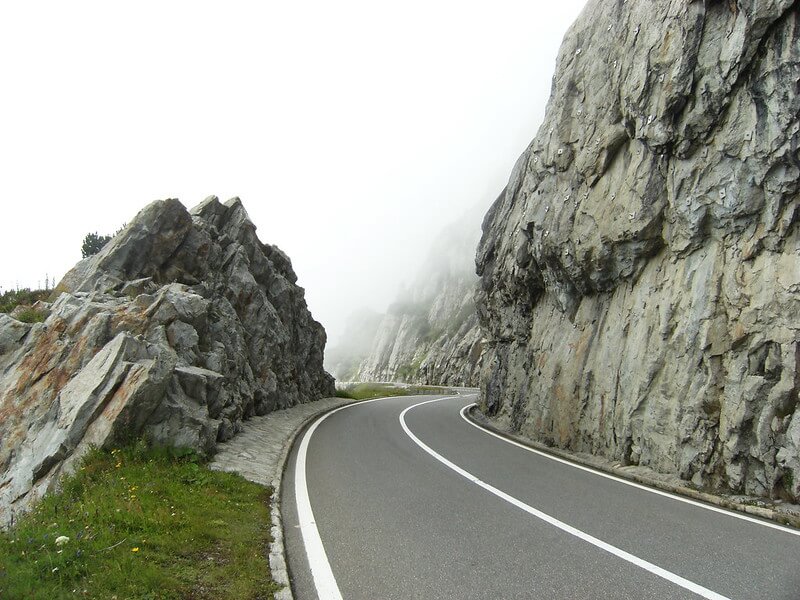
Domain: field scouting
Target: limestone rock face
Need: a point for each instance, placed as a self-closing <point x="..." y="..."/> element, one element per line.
<point x="430" y="335"/>
<point x="640" y="277"/>
<point x="184" y="325"/>
<point x="411" y="347"/>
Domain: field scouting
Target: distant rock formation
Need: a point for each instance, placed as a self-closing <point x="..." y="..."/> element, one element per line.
<point x="430" y="335"/>
<point x="640" y="278"/>
<point x="343" y="360"/>
<point x="184" y="325"/>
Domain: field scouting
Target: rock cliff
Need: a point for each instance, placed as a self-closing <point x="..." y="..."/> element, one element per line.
<point x="430" y="335"/>
<point x="640" y="277"/>
<point x="184" y="325"/>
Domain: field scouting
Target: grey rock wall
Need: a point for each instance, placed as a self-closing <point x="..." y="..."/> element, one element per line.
<point x="430" y="335"/>
<point x="413" y="346"/>
<point x="640" y="277"/>
<point x="183" y="326"/>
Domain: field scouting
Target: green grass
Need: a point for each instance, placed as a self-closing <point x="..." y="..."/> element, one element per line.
<point x="142" y="524"/>
<point x="367" y="391"/>
<point x="10" y="299"/>
<point x="30" y="315"/>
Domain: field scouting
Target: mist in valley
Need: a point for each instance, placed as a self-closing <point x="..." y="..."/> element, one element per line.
<point x="427" y="309"/>
<point x="354" y="134"/>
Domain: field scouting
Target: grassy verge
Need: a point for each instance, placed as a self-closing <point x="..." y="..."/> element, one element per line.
<point x="367" y="391"/>
<point x="142" y="524"/>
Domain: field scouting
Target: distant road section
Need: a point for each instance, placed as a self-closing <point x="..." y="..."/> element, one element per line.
<point x="404" y="498"/>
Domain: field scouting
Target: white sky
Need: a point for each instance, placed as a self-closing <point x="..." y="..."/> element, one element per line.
<point x="352" y="131"/>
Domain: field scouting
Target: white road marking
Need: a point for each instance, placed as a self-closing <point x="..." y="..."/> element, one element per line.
<point x="635" y="560"/>
<point x="324" y="580"/>
<point x="639" y="486"/>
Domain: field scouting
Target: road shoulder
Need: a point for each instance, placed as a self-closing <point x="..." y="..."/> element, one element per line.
<point x="259" y="453"/>
<point x="784" y="514"/>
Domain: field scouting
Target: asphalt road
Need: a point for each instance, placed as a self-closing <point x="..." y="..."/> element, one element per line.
<point x="410" y="500"/>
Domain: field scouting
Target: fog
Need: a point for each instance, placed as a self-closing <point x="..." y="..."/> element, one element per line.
<point x="352" y="131"/>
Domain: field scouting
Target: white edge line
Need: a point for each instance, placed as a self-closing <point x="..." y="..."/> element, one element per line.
<point x="635" y="560"/>
<point x="640" y="486"/>
<point x="324" y="580"/>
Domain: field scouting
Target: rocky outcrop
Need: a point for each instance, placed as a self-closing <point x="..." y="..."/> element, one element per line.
<point x="430" y="335"/>
<point x="183" y="326"/>
<point x="640" y="278"/>
<point x="415" y="344"/>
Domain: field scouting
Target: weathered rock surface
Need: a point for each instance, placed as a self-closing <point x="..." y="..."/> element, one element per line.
<point x="640" y="277"/>
<point x="184" y="325"/>
<point x="431" y="334"/>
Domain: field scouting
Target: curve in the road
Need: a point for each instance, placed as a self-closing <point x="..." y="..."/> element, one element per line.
<point x="323" y="579"/>
<point x="651" y="490"/>
<point x="626" y="556"/>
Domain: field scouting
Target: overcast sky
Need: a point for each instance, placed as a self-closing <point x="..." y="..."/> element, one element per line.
<point x="352" y="131"/>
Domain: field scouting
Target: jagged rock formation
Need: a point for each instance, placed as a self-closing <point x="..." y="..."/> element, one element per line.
<point x="431" y="334"/>
<point x="181" y="327"/>
<point x="640" y="278"/>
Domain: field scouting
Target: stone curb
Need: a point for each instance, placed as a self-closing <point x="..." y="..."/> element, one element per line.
<point x="277" y="552"/>
<point x="782" y="518"/>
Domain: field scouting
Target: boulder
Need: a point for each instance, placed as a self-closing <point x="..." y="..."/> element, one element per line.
<point x="180" y="328"/>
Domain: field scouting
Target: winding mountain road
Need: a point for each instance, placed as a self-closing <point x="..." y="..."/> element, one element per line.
<point x="405" y="498"/>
